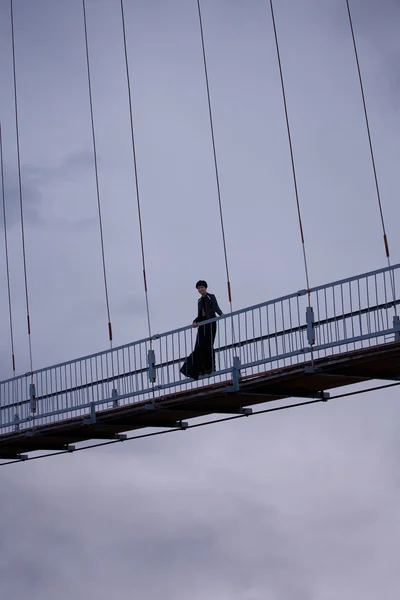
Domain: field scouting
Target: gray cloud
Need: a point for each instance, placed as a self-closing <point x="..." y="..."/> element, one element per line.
<point x="31" y="203"/>
<point x="72" y="166"/>
<point x="239" y="520"/>
<point x="302" y="504"/>
<point x="34" y="179"/>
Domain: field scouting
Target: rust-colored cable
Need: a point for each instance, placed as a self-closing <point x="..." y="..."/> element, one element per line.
<point x="97" y="175"/>
<point x="385" y="239"/>
<point x="28" y="318"/>
<point x="215" y="156"/>
<point x="136" y="170"/>
<point x="290" y="148"/>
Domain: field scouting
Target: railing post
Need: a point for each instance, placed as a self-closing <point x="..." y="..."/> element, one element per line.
<point x="92" y="419"/>
<point x="235" y="387"/>
<point x="310" y="325"/>
<point x="396" y="326"/>
<point x="16" y="422"/>
<point x="114" y="396"/>
<point x="151" y="361"/>
<point x="32" y="397"/>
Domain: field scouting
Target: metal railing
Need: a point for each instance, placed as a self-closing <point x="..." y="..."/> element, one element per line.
<point x="338" y="317"/>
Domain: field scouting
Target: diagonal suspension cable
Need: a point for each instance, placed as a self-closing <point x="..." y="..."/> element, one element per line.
<point x="6" y="251"/>
<point x="20" y="190"/>
<point x="215" y="156"/>
<point x="135" y="170"/>
<point x="290" y="148"/>
<point x="97" y="176"/>
<point x="385" y="240"/>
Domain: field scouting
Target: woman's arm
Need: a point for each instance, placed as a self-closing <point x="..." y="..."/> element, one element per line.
<point x="216" y="307"/>
<point x="198" y="315"/>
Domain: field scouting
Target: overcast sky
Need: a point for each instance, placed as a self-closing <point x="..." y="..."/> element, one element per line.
<point x="300" y="504"/>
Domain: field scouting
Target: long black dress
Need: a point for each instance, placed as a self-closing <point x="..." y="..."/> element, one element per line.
<point x="202" y="360"/>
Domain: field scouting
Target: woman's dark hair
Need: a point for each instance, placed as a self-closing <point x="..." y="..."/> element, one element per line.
<point x="201" y="282"/>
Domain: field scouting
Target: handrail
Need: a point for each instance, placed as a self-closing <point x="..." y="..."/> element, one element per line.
<point x="188" y="327"/>
<point x="281" y="331"/>
<point x="170" y="363"/>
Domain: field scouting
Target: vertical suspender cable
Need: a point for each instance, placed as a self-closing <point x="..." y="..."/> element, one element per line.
<point x="385" y="240"/>
<point x="20" y="190"/>
<point x="135" y="170"/>
<point x="215" y="155"/>
<point x="6" y="251"/>
<point x="291" y="149"/>
<point x="97" y="175"/>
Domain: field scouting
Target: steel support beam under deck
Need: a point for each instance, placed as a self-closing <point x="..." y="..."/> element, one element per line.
<point x="304" y="380"/>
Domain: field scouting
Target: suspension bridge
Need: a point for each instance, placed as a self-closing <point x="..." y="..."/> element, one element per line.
<point x="299" y="346"/>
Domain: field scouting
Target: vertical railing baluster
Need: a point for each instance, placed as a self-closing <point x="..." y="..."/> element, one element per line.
<point x="359" y="311"/>
<point x="376" y="312"/>
<point x="254" y="343"/>
<point x="344" y="325"/>
<point x="283" y="329"/>
<point x="300" y="344"/>
<point x="135" y="370"/>
<point x="276" y="335"/>
<point x="386" y="301"/>
<point x="368" y="313"/>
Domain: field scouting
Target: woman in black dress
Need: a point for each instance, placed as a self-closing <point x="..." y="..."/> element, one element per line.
<point x="202" y="359"/>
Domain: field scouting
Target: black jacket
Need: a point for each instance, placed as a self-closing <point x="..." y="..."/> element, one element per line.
<point x="210" y="308"/>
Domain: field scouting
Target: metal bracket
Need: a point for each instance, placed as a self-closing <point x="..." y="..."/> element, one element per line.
<point x="310" y="325"/>
<point x="151" y="361"/>
<point x="396" y="326"/>
<point x="22" y="457"/>
<point x="176" y="425"/>
<point x="92" y="419"/>
<point x="52" y="444"/>
<point x="172" y="425"/>
<point x="238" y="411"/>
<point x="235" y="387"/>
